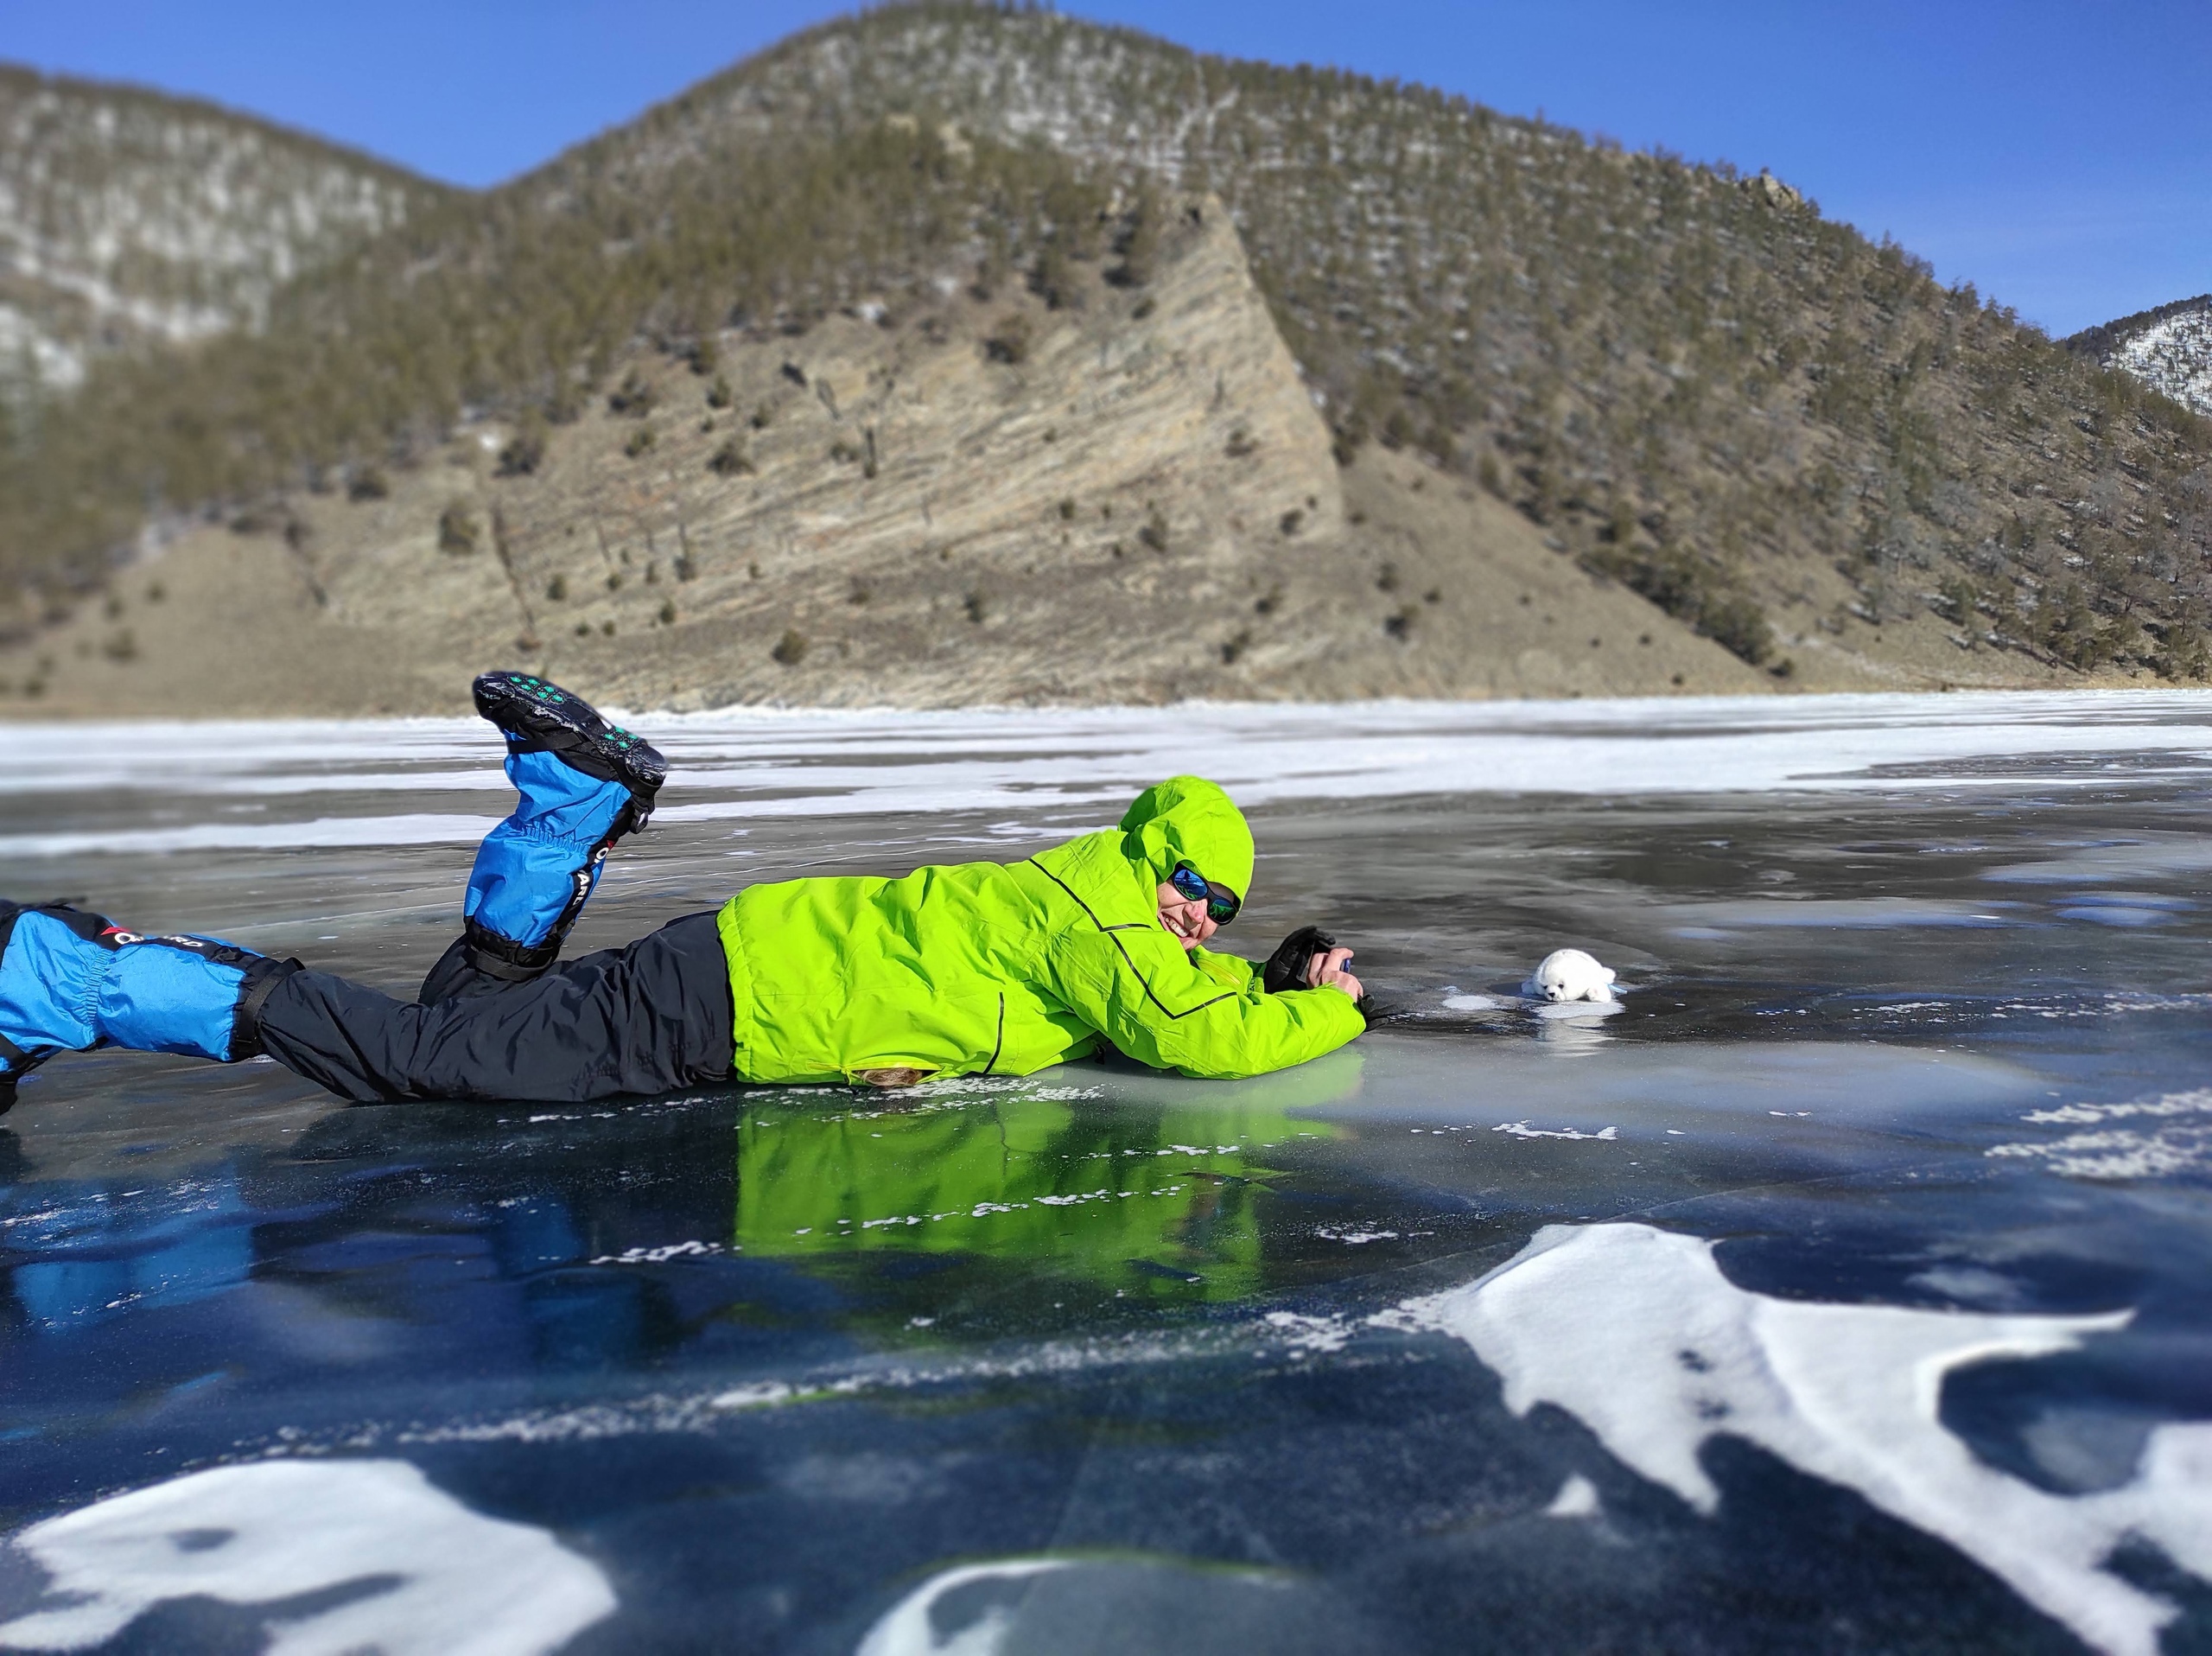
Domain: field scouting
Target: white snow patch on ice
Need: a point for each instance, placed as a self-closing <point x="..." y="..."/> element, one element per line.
<point x="909" y="1630"/>
<point x="760" y="1394"/>
<point x="1637" y="1333"/>
<point x="1522" y="1130"/>
<point x="659" y="1256"/>
<point x="1310" y="1333"/>
<point x="461" y="1584"/>
<point x="2197" y="1102"/>
<point x="1577" y="1498"/>
<point x="2118" y="1153"/>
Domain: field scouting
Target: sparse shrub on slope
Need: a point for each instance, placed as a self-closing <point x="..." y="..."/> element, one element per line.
<point x="457" y="528"/>
<point x="525" y="452"/>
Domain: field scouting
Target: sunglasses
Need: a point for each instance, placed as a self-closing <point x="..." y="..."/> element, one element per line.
<point x="1221" y="903"/>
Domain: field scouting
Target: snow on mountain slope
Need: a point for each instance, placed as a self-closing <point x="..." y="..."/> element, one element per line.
<point x="2169" y="349"/>
<point x="128" y="215"/>
<point x="2175" y="354"/>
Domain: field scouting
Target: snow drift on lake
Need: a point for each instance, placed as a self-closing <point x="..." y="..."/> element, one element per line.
<point x="430" y="1577"/>
<point x="1637" y="1333"/>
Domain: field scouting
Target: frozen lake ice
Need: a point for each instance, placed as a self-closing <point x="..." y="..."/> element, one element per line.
<point x="1844" y="1287"/>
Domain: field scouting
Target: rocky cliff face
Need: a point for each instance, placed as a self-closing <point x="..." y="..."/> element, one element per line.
<point x="984" y="502"/>
<point x="126" y="216"/>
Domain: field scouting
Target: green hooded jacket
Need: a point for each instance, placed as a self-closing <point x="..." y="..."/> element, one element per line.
<point x="1003" y="969"/>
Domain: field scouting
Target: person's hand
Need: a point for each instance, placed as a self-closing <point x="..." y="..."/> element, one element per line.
<point x="1329" y="969"/>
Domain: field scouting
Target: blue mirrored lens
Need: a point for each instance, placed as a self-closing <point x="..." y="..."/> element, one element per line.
<point x="1221" y="903"/>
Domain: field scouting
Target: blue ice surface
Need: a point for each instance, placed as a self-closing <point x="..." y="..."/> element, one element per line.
<point x="1099" y="1355"/>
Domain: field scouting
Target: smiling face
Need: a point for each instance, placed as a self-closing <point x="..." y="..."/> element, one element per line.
<point x="1185" y="919"/>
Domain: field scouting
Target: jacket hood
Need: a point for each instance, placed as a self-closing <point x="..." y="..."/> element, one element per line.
<point x="1189" y="820"/>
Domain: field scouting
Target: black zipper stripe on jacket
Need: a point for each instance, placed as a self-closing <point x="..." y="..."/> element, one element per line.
<point x="1000" y="1045"/>
<point x="1226" y="995"/>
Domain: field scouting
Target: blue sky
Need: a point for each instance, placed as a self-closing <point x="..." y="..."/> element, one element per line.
<point x="2057" y="154"/>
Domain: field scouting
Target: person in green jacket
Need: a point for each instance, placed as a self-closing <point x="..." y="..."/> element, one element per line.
<point x="977" y="968"/>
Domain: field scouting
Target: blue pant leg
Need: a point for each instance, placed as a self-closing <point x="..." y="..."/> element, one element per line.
<point x="70" y="981"/>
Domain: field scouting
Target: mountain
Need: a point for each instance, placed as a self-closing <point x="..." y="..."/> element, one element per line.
<point x="939" y="495"/>
<point x="128" y="216"/>
<point x="2169" y="349"/>
<point x="1550" y="397"/>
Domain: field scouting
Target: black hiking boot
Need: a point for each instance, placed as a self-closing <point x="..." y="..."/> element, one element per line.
<point x="540" y="717"/>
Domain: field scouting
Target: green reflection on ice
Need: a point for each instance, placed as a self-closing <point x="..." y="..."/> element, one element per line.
<point x="1149" y="1190"/>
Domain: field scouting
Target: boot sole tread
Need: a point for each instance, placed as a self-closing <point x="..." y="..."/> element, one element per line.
<point x="563" y="724"/>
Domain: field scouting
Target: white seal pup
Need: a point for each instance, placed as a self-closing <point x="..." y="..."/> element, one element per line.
<point x="1569" y="975"/>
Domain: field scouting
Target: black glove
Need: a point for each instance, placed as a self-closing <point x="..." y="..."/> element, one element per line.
<point x="1285" y="967"/>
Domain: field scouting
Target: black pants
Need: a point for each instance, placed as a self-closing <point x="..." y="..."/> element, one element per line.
<point x="651" y="1018"/>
